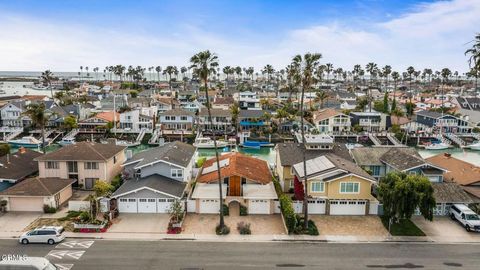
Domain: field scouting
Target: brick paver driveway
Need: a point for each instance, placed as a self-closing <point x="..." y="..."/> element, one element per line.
<point x="349" y="225"/>
<point x="138" y="223"/>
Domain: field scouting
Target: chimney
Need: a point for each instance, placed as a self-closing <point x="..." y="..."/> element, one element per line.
<point x="447" y="155"/>
<point x="22" y="150"/>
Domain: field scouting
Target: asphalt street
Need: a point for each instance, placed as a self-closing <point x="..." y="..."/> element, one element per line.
<point x="190" y="255"/>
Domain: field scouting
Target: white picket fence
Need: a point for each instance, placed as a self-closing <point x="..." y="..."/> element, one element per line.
<point x="78" y="205"/>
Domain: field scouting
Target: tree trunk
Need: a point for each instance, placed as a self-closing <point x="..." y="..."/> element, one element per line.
<point x="43" y="140"/>
<point x="305" y="197"/>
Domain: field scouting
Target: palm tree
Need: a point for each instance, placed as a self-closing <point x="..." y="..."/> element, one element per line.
<point x="238" y="71"/>
<point x="226" y="70"/>
<point x="203" y="65"/>
<point x="269" y="70"/>
<point x="372" y="70"/>
<point x="306" y="67"/>
<point x="395" y="77"/>
<point x="356" y="73"/>
<point x="47" y="77"/>
<point x="386" y="73"/>
<point x="36" y="112"/>
<point x="321" y="96"/>
<point x="80" y="74"/>
<point x="445" y="73"/>
<point x="474" y="59"/>
<point x="95" y="69"/>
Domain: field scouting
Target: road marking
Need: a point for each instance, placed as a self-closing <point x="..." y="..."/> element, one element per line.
<point x="60" y="254"/>
<point x="64" y="266"/>
<point x="75" y="244"/>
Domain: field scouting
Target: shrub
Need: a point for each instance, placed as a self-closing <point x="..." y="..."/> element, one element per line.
<point x="200" y="162"/>
<point x="70" y="215"/>
<point x="244" y="228"/>
<point x="243" y="210"/>
<point x="47" y="209"/>
<point x="225" y="210"/>
<point x="278" y="187"/>
<point x="288" y="213"/>
<point x="312" y="228"/>
<point x="4" y="149"/>
<point x="116" y="182"/>
<point x="222" y="230"/>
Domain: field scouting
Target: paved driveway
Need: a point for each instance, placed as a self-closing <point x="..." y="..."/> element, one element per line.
<point x="349" y="225"/>
<point x="17" y="221"/>
<point x="140" y="223"/>
<point x="444" y="229"/>
<point x="259" y="224"/>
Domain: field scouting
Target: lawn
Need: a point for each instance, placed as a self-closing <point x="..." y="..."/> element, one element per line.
<point x="404" y="227"/>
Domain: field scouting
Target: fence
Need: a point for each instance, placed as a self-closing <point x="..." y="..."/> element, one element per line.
<point x="78" y="205"/>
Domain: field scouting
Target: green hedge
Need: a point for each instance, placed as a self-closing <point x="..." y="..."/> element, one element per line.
<point x="288" y="213"/>
<point x="225" y="210"/>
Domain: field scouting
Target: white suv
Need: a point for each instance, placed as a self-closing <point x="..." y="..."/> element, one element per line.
<point x="469" y="219"/>
<point x="45" y="234"/>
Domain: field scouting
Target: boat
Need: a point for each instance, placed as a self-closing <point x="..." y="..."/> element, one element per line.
<point x="29" y="142"/>
<point x="351" y="146"/>
<point x="207" y="143"/>
<point x="256" y="144"/>
<point x="437" y="146"/>
<point x="127" y="143"/>
<point x="67" y="141"/>
<point x="39" y="87"/>
<point x="475" y="146"/>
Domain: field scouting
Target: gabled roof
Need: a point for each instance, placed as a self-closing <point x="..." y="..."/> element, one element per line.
<point x="325" y="114"/>
<point x="450" y="193"/>
<point x="178" y="112"/>
<point x="155" y="182"/>
<point x="19" y="165"/>
<point x="86" y="151"/>
<point x="459" y="171"/>
<point x="177" y="153"/>
<point x="401" y="160"/>
<point x="430" y="114"/>
<point x="38" y="187"/>
<point x="215" y="112"/>
<point x="235" y="164"/>
<point x="291" y="153"/>
<point x="251" y="113"/>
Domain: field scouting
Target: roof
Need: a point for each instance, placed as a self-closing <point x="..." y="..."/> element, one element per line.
<point x="108" y="116"/>
<point x="215" y="112"/>
<point x="459" y="171"/>
<point x="431" y="114"/>
<point x="155" y="182"/>
<point x="178" y="112"/>
<point x="291" y="153"/>
<point x="450" y="193"/>
<point x="255" y="191"/>
<point x="235" y="164"/>
<point x="251" y="113"/>
<point x="38" y="187"/>
<point x="325" y="114"/>
<point x="88" y="151"/>
<point x="224" y="100"/>
<point x="474" y="192"/>
<point x="402" y="159"/>
<point x="178" y="153"/>
<point x="34" y="97"/>
<point x="19" y="165"/>
<point x="208" y="191"/>
<point x="400" y="120"/>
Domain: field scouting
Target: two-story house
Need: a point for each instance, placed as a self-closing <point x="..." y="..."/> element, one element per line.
<point x="135" y="121"/>
<point x="250" y="119"/>
<point x="371" y="121"/>
<point x="444" y="123"/>
<point x="331" y="121"/>
<point x="336" y="186"/>
<point x="100" y="120"/>
<point x="249" y="101"/>
<point x="245" y="180"/>
<point x="177" y="120"/>
<point x="221" y="120"/>
<point x="156" y="177"/>
<point x="86" y="162"/>
<point x="11" y="114"/>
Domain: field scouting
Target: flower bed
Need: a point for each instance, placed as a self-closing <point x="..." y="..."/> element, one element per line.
<point x="91" y="228"/>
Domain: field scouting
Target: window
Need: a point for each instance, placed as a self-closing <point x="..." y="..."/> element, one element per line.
<point x="142" y="200"/>
<point x="225" y="180"/>
<point x="183" y="118"/>
<point x="244" y="180"/>
<point x="91" y="165"/>
<point x="347" y="187"/>
<point x="177" y="173"/>
<point x="114" y="159"/>
<point x="317" y="186"/>
<point x="375" y="170"/>
<point x="52" y="165"/>
<point x="167" y="117"/>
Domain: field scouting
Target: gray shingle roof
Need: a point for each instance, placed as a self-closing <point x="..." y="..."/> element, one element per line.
<point x="84" y="151"/>
<point x="178" y="153"/>
<point x="251" y="113"/>
<point x="291" y="153"/>
<point x="450" y="193"/>
<point x="215" y="112"/>
<point x="431" y="114"/>
<point x="402" y="159"/>
<point x="155" y="182"/>
<point x="178" y="112"/>
<point x="19" y="165"/>
<point x="38" y="187"/>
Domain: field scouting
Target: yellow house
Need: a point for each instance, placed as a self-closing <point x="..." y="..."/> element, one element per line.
<point x="336" y="186"/>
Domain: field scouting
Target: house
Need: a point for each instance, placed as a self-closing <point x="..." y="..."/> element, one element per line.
<point x="331" y="121"/>
<point x="464" y="174"/>
<point x="336" y="186"/>
<point x="32" y="194"/>
<point x="17" y="166"/>
<point x="470" y="107"/>
<point x="156" y="177"/>
<point x="177" y="119"/>
<point x="135" y="121"/>
<point x="109" y="103"/>
<point x="11" y="114"/>
<point x="192" y="106"/>
<point x="221" y="119"/>
<point x="85" y="162"/>
<point x="444" y="123"/>
<point x="249" y="101"/>
<point x="139" y="102"/>
<point x="100" y="120"/>
<point x="348" y="105"/>
<point x="249" y="119"/>
<point x="288" y="154"/>
<point x="371" y="121"/>
<point x="165" y="104"/>
<point x="222" y="103"/>
<point x="245" y="180"/>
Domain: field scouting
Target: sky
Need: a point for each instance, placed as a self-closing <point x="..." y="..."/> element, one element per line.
<point x="64" y="35"/>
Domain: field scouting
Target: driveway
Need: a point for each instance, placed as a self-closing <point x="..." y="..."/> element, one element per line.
<point x="443" y="229"/>
<point x="140" y="223"/>
<point x="17" y="221"/>
<point x="349" y="225"/>
<point x="259" y="224"/>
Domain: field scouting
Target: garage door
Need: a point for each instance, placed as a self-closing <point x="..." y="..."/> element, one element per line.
<point x="163" y="205"/>
<point x="259" y="207"/>
<point x="26" y="204"/>
<point x="146" y="205"/>
<point x="127" y="205"/>
<point x="209" y="207"/>
<point x="345" y="207"/>
<point x="316" y="206"/>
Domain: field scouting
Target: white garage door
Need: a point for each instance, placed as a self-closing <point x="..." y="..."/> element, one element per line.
<point x="146" y="205"/>
<point x="316" y="206"/>
<point x="209" y="207"/>
<point x="26" y="204"/>
<point x="163" y="205"/>
<point x="258" y="207"/>
<point x="345" y="207"/>
<point x="127" y="205"/>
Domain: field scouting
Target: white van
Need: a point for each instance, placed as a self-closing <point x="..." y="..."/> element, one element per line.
<point x="26" y="263"/>
<point x="45" y="234"/>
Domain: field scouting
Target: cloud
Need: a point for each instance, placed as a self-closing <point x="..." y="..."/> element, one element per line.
<point x="430" y="35"/>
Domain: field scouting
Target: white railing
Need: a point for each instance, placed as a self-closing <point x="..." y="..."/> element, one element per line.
<point x="454" y="138"/>
<point x="374" y="139"/>
<point x="141" y="135"/>
<point x="71" y="135"/>
<point x="13" y="135"/>
<point x="393" y="139"/>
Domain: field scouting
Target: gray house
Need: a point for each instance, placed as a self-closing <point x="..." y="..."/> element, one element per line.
<point x="156" y="178"/>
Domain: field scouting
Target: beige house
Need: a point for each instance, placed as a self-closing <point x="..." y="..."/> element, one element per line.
<point x="86" y="162"/>
<point x="337" y="186"/>
<point x="32" y="194"/>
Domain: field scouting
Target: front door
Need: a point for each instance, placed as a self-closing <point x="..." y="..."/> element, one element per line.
<point x="234" y="186"/>
<point x="89" y="183"/>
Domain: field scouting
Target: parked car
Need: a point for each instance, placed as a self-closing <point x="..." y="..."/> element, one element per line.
<point x="34" y="263"/>
<point x="469" y="219"/>
<point x="45" y="234"/>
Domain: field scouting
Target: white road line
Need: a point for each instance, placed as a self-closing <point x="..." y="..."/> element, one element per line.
<point x="63" y="266"/>
<point x="61" y="254"/>
<point x="75" y="244"/>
